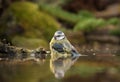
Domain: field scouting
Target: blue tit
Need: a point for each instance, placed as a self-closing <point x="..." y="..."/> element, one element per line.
<point x="60" y="47"/>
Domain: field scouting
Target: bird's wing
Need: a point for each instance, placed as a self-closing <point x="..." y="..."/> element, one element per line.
<point x="66" y="47"/>
<point x="58" y="47"/>
<point x="75" y="53"/>
<point x="69" y="48"/>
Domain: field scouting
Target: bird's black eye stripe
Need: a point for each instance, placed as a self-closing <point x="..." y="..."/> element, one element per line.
<point x="58" y="35"/>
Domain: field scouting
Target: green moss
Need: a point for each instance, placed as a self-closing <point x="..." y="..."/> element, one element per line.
<point x="89" y="24"/>
<point x="35" y="22"/>
<point x="60" y="13"/>
<point x="115" y="31"/>
<point x="30" y="43"/>
<point x="114" y="21"/>
<point x="84" y="20"/>
<point x="86" y="14"/>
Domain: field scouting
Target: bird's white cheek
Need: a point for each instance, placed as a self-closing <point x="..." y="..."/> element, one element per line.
<point x="60" y="38"/>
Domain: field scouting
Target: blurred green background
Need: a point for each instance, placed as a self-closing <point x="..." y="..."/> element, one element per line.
<point x="92" y="26"/>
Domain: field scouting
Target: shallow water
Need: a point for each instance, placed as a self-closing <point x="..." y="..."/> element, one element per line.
<point x="85" y="69"/>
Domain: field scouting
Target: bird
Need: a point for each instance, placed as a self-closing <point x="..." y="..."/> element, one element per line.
<point x="60" y="47"/>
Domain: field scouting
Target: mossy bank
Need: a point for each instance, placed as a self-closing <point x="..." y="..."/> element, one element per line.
<point x="26" y="19"/>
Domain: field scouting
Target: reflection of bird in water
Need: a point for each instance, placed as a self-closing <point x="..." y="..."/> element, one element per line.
<point x="61" y="48"/>
<point x="60" y="66"/>
<point x="63" y="54"/>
